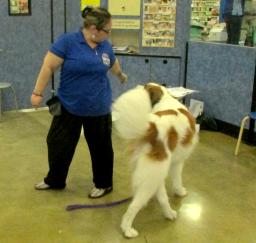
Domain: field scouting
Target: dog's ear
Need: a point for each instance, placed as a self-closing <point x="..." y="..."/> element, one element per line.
<point x="155" y="93"/>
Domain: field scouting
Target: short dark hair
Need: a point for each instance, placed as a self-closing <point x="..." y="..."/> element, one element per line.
<point x="95" y="16"/>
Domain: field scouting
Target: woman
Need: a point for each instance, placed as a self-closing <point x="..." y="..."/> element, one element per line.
<point x="85" y="95"/>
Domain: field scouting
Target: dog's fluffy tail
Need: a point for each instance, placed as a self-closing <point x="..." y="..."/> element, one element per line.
<point x="131" y="113"/>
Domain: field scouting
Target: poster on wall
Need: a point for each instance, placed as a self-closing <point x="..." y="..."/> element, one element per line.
<point x="94" y="3"/>
<point x="19" y="7"/>
<point x="159" y="21"/>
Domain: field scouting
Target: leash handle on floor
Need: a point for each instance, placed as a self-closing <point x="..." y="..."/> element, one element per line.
<point x="103" y="205"/>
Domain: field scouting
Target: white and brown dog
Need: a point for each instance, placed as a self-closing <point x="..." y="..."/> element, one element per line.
<point x="163" y="135"/>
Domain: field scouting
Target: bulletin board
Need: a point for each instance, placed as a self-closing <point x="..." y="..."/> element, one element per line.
<point x="159" y="21"/>
<point x="124" y="7"/>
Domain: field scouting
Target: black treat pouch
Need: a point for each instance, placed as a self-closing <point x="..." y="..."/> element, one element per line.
<point x="54" y="106"/>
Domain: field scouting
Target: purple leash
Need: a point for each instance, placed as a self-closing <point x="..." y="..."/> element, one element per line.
<point x="103" y="205"/>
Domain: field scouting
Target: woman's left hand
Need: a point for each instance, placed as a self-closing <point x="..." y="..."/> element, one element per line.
<point x="123" y="78"/>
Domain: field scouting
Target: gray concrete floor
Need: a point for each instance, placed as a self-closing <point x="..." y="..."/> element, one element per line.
<point x="220" y="206"/>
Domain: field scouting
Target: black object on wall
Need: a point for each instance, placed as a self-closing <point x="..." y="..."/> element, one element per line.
<point x="65" y="16"/>
<point x="52" y="38"/>
<point x="186" y="66"/>
<point x="52" y="35"/>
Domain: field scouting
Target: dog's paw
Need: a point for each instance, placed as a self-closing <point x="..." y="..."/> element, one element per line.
<point x="131" y="233"/>
<point x="181" y="192"/>
<point x="128" y="231"/>
<point x="171" y="214"/>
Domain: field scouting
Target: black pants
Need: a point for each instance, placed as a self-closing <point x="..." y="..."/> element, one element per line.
<point x="233" y="25"/>
<point x="62" y="140"/>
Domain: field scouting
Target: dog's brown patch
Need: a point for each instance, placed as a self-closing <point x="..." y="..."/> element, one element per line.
<point x="157" y="152"/>
<point x="191" y="119"/>
<point x="155" y="93"/>
<point x="172" y="138"/>
<point x="166" y="112"/>
<point x="188" y="137"/>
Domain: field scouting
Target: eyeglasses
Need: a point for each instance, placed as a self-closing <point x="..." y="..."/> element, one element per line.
<point x="106" y="31"/>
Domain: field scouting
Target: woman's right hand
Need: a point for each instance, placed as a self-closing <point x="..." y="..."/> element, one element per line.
<point x="36" y="100"/>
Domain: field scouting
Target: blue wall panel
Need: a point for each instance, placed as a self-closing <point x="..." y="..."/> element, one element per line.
<point x="24" y="40"/>
<point x="74" y="19"/>
<point x="165" y="70"/>
<point x="224" y="75"/>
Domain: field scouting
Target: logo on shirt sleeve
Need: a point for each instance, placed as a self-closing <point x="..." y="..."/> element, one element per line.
<point x="106" y="59"/>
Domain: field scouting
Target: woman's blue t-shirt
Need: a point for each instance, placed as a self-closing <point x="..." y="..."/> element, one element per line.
<point x="84" y="88"/>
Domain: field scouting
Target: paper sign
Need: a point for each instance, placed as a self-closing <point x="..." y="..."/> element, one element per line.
<point x="124" y="7"/>
<point x="126" y="24"/>
<point x="95" y="3"/>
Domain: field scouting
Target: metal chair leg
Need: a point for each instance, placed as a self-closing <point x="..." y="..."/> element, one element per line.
<point x="15" y="98"/>
<point x="241" y="134"/>
<point x="6" y="85"/>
